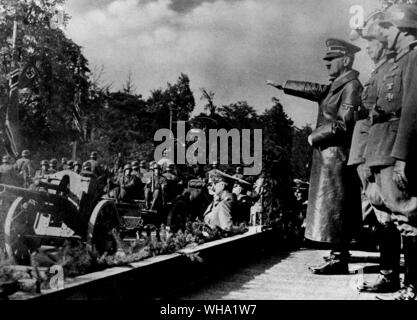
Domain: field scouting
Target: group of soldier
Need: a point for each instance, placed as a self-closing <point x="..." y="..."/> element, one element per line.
<point x="364" y="142"/>
<point x="220" y="199"/>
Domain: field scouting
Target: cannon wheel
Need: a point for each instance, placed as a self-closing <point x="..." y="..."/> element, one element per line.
<point x="16" y="225"/>
<point x="103" y="228"/>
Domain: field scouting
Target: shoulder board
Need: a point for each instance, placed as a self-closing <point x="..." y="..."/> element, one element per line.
<point x="412" y="46"/>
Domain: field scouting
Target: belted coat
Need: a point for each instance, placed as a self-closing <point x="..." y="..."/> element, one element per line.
<point x="333" y="211"/>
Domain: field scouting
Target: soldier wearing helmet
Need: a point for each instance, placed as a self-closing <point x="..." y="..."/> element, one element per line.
<point x="390" y="244"/>
<point x="69" y="165"/>
<point x="390" y="151"/>
<point x="44" y="171"/>
<point x="8" y="174"/>
<point x="63" y="165"/>
<point x="165" y="161"/>
<point x="77" y="167"/>
<point x="155" y="188"/>
<point x="94" y="164"/>
<point x="135" y="168"/>
<point x="25" y="168"/>
<point x="87" y="170"/>
<point x="127" y="185"/>
<point x="53" y="165"/>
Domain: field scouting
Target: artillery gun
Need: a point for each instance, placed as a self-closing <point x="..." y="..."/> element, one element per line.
<point x="66" y="206"/>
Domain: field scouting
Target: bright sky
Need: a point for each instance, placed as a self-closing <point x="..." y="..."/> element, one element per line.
<point x="227" y="46"/>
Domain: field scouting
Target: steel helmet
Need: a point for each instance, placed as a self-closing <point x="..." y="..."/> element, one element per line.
<point x="54" y="162"/>
<point x="401" y="16"/>
<point x="87" y="165"/>
<point x="25" y="153"/>
<point x="155" y="166"/>
<point x="371" y="29"/>
<point x="127" y="167"/>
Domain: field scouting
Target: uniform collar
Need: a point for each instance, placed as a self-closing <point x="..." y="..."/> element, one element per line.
<point x="343" y="79"/>
<point x="406" y="50"/>
<point x="389" y="55"/>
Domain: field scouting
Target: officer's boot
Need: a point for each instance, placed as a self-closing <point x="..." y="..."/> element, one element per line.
<point x="390" y="251"/>
<point x="409" y="290"/>
<point x="337" y="264"/>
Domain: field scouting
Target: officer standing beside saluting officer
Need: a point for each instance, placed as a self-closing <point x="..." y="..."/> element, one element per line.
<point x="390" y="239"/>
<point x="333" y="211"/>
<point x="390" y="151"/>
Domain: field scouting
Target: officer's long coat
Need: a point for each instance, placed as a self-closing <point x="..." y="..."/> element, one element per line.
<point x="333" y="211"/>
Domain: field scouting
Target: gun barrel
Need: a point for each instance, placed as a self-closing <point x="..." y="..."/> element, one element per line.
<point x="42" y="196"/>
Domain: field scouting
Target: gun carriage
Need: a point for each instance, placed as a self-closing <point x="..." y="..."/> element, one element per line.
<point x="66" y="206"/>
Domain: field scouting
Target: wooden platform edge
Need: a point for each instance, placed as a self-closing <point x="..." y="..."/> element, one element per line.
<point x="154" y="277"/>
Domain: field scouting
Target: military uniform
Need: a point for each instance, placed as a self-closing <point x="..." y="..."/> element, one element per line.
<point x="24" y="167"/>
<point x="219" y="212"/>
<point x="334" y="195"/>
<point x="391" y="141"/>
<point x="389" y="237"/>
<point x="8" y="175"/>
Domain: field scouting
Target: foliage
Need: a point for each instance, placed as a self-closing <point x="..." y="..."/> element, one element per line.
<point x="47" y="103"/>
<point x="301" y="153"/>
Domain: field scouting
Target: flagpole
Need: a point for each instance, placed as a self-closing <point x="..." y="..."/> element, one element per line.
<point x="12" y="113"/>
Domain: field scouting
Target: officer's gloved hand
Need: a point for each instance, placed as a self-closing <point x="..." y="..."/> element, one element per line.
<point x="399" y="175"/>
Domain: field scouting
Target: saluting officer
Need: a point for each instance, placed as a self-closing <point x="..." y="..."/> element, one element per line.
<point x="333" y="211"/>
<point x="390" y="151"/>
<point x="390" y="239"/>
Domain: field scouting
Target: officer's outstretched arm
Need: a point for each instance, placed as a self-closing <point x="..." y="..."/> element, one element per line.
<point x="306" y="90"/>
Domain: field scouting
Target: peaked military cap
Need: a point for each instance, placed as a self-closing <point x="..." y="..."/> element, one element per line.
<point x="338" y="48"/>
<point x="371" y="28"/>
<point x="219" y="176"/>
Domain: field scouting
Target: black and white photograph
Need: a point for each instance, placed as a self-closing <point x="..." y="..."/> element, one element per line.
<point x="202" y="157"/>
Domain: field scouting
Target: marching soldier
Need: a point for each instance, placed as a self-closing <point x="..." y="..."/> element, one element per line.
<point x="333" y="210"/>
<point x="390" y="151"/>
<point x="25" y="169"/>
<point x="8" y="173"/>
<point x="390" y="241"/>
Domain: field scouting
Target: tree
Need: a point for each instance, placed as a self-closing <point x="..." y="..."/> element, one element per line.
<point x="60" y="88"/>
<point x="209" y="96"/>
<point x="301" y="154"/>
<point x="277" y="145"/>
